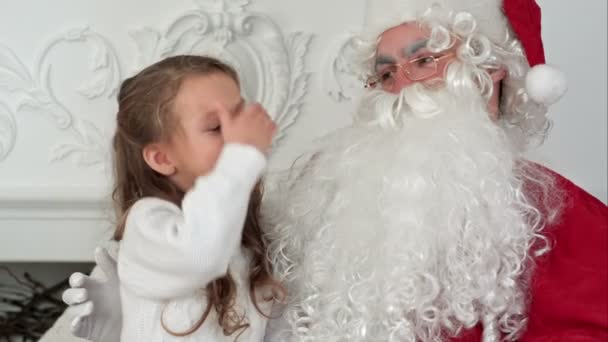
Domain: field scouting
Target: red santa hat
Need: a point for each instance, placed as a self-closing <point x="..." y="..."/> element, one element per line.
<point x="544" y="84"/>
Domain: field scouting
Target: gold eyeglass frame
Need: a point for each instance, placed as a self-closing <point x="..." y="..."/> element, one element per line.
<point x="402" y="66"/>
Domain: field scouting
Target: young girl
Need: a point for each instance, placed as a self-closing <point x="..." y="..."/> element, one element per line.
<point x="188" y="154"/>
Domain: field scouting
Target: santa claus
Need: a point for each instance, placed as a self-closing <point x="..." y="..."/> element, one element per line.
<point x="423" y="221"/>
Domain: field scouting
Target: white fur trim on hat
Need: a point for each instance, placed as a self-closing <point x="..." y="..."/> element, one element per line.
<point x="381" y="15"/>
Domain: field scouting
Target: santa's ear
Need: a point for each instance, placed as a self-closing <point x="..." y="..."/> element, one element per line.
<point x="157" y="157"/>
<point x="498" y="75"/>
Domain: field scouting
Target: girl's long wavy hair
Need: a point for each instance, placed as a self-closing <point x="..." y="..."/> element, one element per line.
<point x="145" y="103"/>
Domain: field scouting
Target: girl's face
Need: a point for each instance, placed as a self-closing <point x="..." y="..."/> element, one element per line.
<point x="196" y="142"/>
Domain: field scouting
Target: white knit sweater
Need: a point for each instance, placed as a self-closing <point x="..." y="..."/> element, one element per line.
<point x="169" y="254"/>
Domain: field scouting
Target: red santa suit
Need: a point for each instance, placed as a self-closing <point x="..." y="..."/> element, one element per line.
<point x="569" y="285"/>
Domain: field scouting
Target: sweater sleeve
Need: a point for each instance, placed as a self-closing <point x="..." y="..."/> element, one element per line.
<point x="167" y="252"/>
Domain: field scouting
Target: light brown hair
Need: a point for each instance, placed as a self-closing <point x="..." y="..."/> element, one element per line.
<point x="145" y="103"/>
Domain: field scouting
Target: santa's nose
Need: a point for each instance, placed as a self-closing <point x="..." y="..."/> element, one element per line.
<point x="401" y="81"/>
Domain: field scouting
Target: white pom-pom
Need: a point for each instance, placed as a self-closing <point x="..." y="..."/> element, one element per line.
<point x="546" y="84"/>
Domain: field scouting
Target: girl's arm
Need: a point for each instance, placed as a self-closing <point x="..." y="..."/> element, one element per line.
<point x="167" y="252"/>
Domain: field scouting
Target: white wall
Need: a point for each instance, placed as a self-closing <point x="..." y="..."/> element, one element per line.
<point x="575" y="40"/>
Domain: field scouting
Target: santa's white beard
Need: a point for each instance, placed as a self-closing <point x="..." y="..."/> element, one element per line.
<point x="409" y="225"/>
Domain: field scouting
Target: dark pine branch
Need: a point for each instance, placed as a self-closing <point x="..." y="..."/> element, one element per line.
<point x="28" y="309"/>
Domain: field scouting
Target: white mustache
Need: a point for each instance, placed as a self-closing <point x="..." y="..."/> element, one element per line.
<point x="417" y="101"/>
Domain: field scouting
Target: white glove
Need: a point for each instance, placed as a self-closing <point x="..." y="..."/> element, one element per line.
<point x="95" y="303"/>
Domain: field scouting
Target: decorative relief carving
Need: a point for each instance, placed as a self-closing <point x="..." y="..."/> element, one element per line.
<point x="270" y="64"/>
<point x="341" y="79"/>
<point x="8" y="131"/>
<point x="33" y="91"/>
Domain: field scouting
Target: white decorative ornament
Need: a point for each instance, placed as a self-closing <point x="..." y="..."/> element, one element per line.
<point x="12" y="72"/>
<point x="270" y="65"/>
<point x="340" y="77"/>
<point x="33" y="91"/>
<point x="8" y="131"/>
<point x="88" y="146"/>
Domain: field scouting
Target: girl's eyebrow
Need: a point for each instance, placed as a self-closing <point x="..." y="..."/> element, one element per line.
<point x="233" y="110"/>
<point x="239" y="106"/>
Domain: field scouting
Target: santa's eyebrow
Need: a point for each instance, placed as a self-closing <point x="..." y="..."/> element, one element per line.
<point x="382" y="59"/>
<point x="414" y="47"/>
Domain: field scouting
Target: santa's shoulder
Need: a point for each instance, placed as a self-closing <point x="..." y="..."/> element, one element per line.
<point x="576" y="201"/>
<point x="568" y="290"/>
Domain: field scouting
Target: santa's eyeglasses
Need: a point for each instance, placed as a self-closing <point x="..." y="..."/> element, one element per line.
<point x="417" y="69"/>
